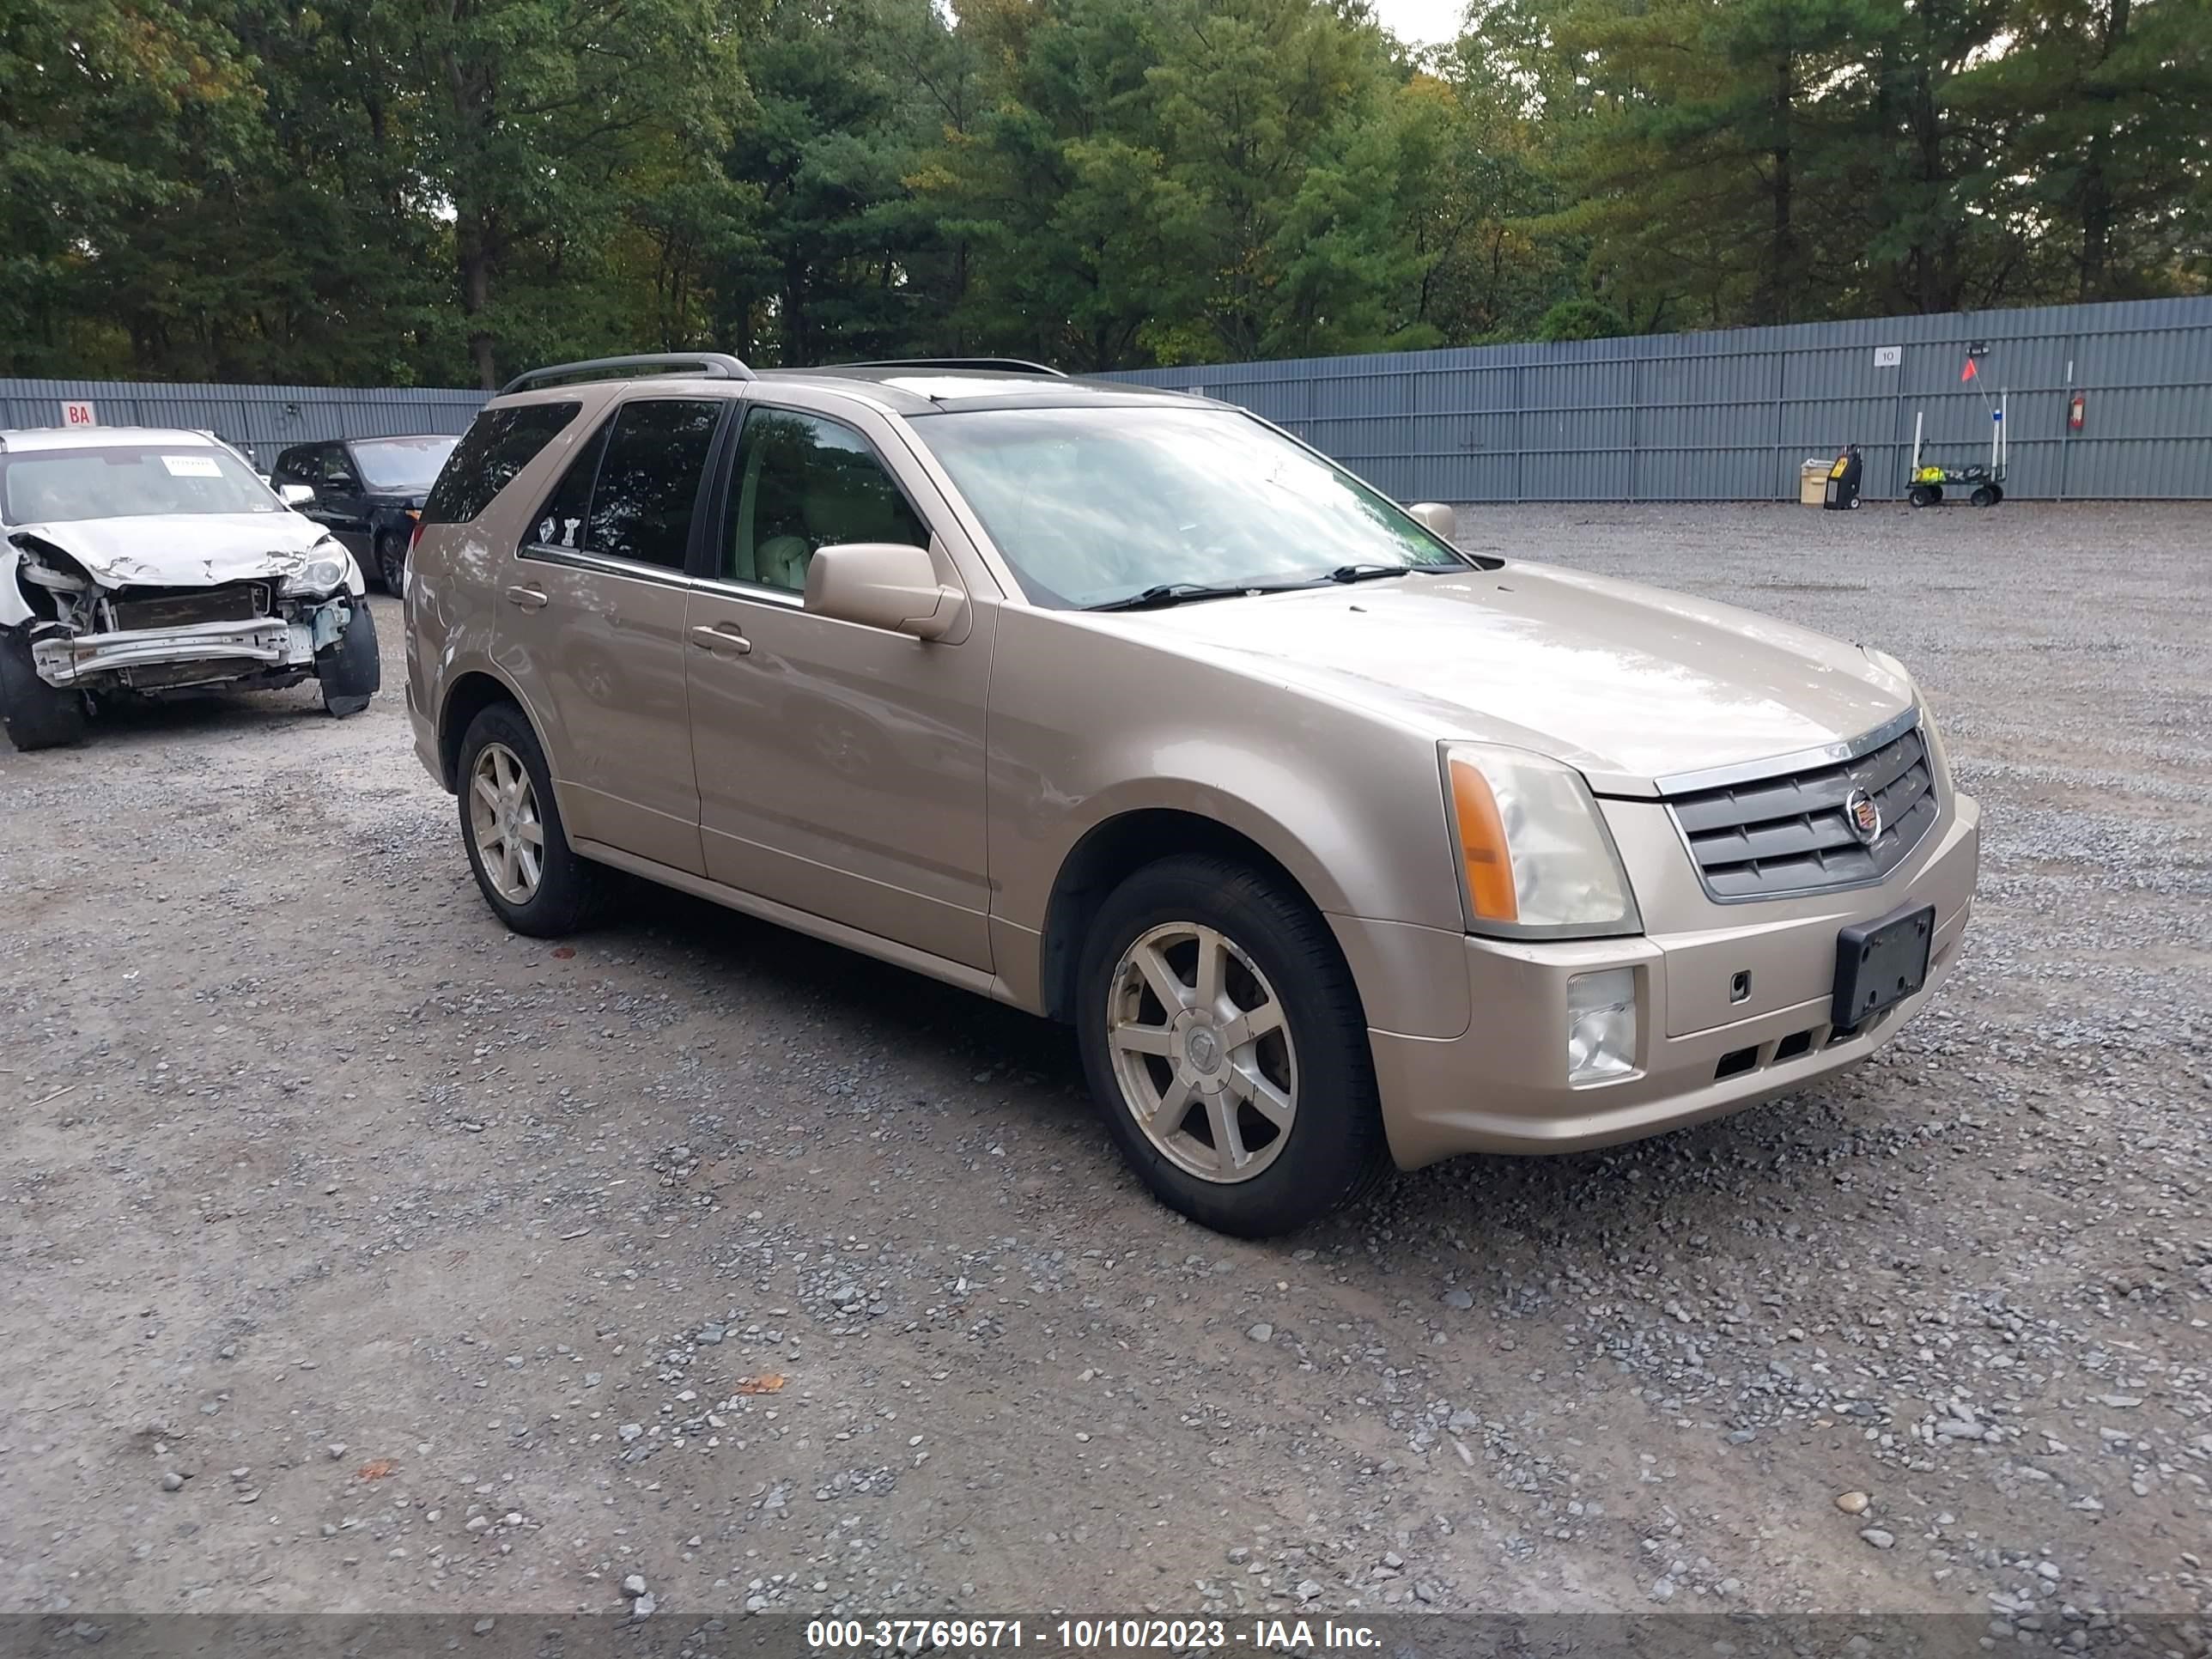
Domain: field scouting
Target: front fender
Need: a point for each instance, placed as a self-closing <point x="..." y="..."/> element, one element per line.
<point x="1089" y="722"/>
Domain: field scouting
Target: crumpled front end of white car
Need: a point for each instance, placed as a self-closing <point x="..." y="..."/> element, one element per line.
<point x="90" y="632"/>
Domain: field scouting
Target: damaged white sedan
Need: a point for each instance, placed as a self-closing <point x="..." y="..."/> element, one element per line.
<point x="136" y="560"/>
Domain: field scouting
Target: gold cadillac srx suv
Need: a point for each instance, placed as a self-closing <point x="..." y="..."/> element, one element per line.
<point x="1338" y="846"/>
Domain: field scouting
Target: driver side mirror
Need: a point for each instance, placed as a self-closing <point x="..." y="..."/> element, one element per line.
<point x="296" y="496"/>
<point x="882" y="585"/>
<point x="1436" y="517"/>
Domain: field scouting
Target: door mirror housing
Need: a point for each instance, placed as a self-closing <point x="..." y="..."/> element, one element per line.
<point x="296" y="496"/>
<point x="1436" y="517"/>
<point x="890" y="585"/>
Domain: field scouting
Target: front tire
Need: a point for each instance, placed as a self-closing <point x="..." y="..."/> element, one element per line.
<point x="510" y="825"/>
<point x="1224" y="1039"/>
<point x="37" y="715"/>
<point x="351" y="669"/>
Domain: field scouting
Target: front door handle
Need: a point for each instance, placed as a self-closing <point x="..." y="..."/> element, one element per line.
<point x="722" y="636"/>
<point x="529" y="598"/>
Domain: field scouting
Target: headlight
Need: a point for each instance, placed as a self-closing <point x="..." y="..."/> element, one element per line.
<point x="325" y="572"/>
<point x="1535" y="858"/>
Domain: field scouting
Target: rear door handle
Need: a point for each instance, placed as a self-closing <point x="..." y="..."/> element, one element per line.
<point x="722" y="636"/>
<point x="529" y="598"/>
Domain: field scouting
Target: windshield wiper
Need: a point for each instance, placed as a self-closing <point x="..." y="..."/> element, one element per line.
<point x="1367" y="573"/>
<point x="1162" y="594"/>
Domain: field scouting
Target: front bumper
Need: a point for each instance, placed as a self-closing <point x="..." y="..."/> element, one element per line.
<point x="1500" y="1087"/>
<point x="227" y="648"/>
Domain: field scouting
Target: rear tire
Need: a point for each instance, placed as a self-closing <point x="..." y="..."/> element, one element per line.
<point x="1983" y="496"/>
<point x="1924" y="495"/>
<point x="37" y="715"/>
<point x="392" y="562"/>
<point x="536" y="883"/>
<point x="1194" y="1076"/>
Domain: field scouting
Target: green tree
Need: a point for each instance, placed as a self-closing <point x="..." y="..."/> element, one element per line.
<point x="2107" y="108"/>
<point x="299" y="251"/>
<point x="102" y="103"/>
<point x="1075" y="244"/>
<point x="535" y="113"/>
<point x="838" y="259"/>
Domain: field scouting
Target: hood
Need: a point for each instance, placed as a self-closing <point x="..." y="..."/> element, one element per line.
<point x="1627" y="682"/>
<point x="182" y="550"/>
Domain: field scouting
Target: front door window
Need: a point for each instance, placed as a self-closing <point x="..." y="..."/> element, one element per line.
<point x="803" y="482"/>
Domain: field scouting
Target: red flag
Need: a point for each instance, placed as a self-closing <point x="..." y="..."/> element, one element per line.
<point x="1968" y="372"/>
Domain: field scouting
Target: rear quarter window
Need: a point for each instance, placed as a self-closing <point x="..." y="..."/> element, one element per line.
<point x="499" y="444"/>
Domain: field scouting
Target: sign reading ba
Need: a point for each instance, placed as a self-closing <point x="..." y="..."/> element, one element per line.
<point x="74" y="414"/>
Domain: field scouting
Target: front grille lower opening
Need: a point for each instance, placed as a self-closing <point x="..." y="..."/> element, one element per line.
<point x="1735" y="1062"/>
<point x="1797" y="1043"/>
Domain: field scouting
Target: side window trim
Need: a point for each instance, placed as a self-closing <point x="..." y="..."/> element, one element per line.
<point x="532" y="550"/>
<point x="726" y="502"/>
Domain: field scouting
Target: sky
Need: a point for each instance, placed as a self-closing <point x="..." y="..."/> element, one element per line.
<point x="1423" y="23"/>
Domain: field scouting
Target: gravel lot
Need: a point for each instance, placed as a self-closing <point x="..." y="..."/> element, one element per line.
<point x="363" y="1256"/>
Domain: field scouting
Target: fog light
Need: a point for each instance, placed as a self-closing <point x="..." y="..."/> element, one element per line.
<point x="1600" y="1026"/>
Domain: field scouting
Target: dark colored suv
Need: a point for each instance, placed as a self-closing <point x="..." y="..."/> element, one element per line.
<point x="368" y="493"/>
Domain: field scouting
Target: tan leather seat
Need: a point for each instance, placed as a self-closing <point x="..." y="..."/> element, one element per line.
<point x="781" y="561"/>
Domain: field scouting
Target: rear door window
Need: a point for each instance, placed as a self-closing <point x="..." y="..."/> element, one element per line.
<point x="647" y="489"/>
<point x="499" y="444"/>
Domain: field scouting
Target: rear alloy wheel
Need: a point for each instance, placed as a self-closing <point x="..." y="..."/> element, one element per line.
<point x="505" y="824"/>
<point x="1224" y="1041"/>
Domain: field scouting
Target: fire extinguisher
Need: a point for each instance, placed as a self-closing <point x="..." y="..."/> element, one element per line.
<point x="2077" y="410"/>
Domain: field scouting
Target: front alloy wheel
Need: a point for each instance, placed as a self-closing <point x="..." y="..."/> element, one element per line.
<point x="1203" y="1052"/>
<point x="506" y="824"/>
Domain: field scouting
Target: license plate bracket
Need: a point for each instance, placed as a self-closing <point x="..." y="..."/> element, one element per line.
<point x="1881" y="963"/>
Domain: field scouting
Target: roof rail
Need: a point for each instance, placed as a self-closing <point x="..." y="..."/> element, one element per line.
<point x="1004" y="365"/>
<point x="709" y="365"/>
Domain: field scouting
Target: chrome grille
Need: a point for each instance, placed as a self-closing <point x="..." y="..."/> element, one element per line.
<point x="1790" y="834"/>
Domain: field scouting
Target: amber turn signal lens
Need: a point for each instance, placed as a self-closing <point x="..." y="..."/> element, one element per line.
<point x="1482" y="846"/>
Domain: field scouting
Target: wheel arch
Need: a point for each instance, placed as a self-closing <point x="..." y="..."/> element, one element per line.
<point x="469" y="695"/>
<point x="1112" y="850"/>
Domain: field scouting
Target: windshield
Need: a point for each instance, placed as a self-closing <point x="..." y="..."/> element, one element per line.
<point x="127" y="481"/>
<point x="401" y="463"/>
<point x="1092" y="505"/>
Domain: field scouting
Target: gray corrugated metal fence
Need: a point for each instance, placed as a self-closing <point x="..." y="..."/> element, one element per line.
<point x="1728" y="416"/>
<point x="259" y="419"/>
<point x="1731" y="415"/>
